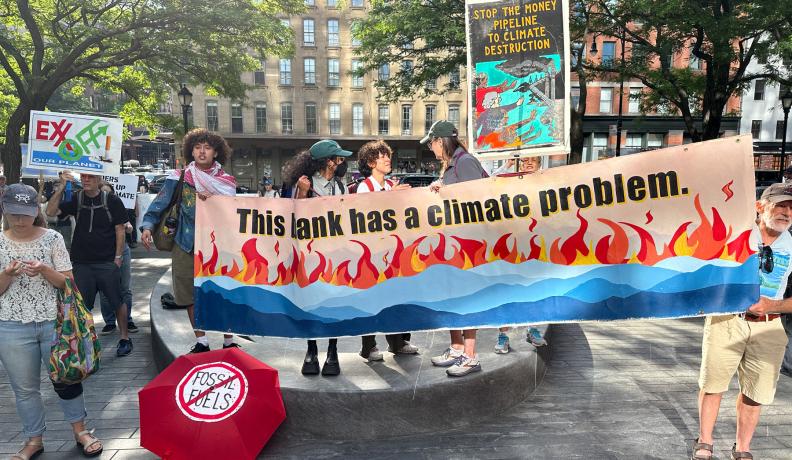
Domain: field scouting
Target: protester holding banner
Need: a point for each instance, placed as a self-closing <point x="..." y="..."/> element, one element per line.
<point x="321" y="168"/>
<point x="97" y="246"/>
<point x="34" y="264"/>
<point x="527" y="165"/>
<point x="458" y="166"/>
<point x="374" y="162"/>
<point x="752" y="343"/>
<point x="204" y="153"/>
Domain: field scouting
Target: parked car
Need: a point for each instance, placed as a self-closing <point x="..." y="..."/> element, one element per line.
<point x="243" y="189"/>
<point x="417" y="180"/>
<point x="155" y="184"/>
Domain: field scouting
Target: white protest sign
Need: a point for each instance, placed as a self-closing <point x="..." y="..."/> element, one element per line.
<point x="83" y="143"/>
<point x="125" y="187"/>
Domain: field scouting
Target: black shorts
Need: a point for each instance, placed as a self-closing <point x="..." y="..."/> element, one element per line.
<point x="104" y="277"/>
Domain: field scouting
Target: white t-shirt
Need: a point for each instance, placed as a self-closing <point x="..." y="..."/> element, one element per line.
<point x="32" y="299"/>
<point x="370" y="184"/>
<point x="772" y="285"/>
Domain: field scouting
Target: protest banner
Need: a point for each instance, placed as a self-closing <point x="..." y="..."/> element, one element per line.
<point x="125" y="187"/>
<point x="83" y="143"/>
<point x="658" y="235"/>
<point x="519" y="72"/>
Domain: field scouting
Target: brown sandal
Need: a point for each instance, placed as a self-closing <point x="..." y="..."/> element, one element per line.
<point x="701" y="446"/>
<point x="94" y="440"/>
<point x="735" y="455"/>
<point x="19" y="455"/>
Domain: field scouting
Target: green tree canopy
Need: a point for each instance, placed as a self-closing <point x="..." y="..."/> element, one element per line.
<point x="139" y="48"/>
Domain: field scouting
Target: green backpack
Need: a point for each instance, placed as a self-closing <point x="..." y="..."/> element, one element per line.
<point x="76" y="352"/>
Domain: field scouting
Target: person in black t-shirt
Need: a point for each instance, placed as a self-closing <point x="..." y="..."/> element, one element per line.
<point x="97" y="246"/>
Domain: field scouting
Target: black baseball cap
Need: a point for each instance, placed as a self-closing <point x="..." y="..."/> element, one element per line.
<point x="20" y="199"/>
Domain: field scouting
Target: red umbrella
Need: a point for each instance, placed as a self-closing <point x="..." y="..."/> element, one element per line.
<point x="219" y="404"/>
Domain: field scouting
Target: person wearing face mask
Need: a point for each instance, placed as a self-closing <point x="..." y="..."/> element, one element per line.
<point x="312" y="173"/>
<point x="750" y="344"/>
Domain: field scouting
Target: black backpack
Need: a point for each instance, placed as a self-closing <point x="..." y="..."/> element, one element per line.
<point x="93" y="208"/>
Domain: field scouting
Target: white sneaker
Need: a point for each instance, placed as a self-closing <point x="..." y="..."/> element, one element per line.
<point x="375" y="355"/>
<point x="407" y="349"/>
<point x="464" y="366"/>
<point x="448" y="357"/>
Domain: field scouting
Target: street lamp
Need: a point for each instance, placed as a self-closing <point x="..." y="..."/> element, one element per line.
<point x="786" y="103"/>
<point x="185" y="97"/>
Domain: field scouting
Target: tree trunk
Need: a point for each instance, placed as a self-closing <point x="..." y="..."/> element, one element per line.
<point x="12" y="157"/>
<point x="576" y="138"/>
<point x="711" y="122"/>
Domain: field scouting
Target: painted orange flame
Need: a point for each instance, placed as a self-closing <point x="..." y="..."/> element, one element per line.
<point x="710" y="240"/>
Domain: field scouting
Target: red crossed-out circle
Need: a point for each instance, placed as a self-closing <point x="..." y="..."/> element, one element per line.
<point x="232" y="376"/>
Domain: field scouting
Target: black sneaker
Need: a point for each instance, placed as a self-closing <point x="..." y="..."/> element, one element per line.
<point x="199" y="348"/>
<point x="124" y="347"/>
<point x="108" y="329"/>
<point x="232" y="345"/>
<point x="132" y="328"/>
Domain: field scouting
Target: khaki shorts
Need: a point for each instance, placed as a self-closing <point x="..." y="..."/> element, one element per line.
<point x="182" y="273"/>
<point x="752" y="349"/>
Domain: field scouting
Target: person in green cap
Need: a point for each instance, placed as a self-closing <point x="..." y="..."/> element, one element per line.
<point x="318" y="172"/>
<point x="458" y="166"/>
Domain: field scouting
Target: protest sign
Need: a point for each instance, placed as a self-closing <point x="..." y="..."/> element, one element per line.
<point x="519" y="72"/>
<point x="657" y="235"/>
<point x="125" y="187"/>
<point x="35" y="172"/>
<point x="82" y="143"/>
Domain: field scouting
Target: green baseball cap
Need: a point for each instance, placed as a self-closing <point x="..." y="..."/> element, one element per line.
<point x="327" y="148"/>
<point x="440" y="128"/>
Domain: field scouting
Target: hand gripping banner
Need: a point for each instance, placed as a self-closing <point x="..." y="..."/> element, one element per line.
<point x="658" y="235"/>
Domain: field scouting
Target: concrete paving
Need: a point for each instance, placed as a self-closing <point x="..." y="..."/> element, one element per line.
<point x="612" y="390"/>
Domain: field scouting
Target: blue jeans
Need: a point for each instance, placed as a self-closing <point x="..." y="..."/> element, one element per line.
<point x="787" y="363"/>
<point x="108" y="312"/>
<point x="24" y="347"/>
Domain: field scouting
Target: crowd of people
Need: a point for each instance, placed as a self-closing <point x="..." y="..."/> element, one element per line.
<point x="35" y="262"/>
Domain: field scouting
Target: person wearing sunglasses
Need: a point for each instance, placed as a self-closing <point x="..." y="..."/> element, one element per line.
<point x="750" y="344"/>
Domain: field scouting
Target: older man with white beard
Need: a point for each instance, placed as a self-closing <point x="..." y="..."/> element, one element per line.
<point x="752" y="344"/>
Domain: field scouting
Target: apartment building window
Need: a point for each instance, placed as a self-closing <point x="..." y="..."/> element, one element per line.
<point x="383" y="123"/>
<point x="334" y="115"/>
<point x="285" y="72"/>
<point x="357" y="119"/>
<point x="634" y="105"/>
<point x="353" y="31"/>
<point x="430" y="117"/>
<point x="287" y="123"/>
<point x="211" y="116"/>
<point x="756" y="128"/>
<point x="260" y="76"/>
<point x="261" y="117"/>
<point x="310" y="2"/>
<point x="759" y="90"/>
<point x="453" y="114"/>
<point x="309" y="32"/>
<point x="599" y="146"/>
<point x="406" y="119"/>
<point x="383" y="74"/>
<point x="309" y="71"/>
<point x="694" y="62"/>
<point x="407" y="66"/>
<point x="634" y="142"/>
<point x="608" y="52"/>
<point x="236" y="118"/>
<point x="357" y="81"/>
<point x="357" y="3"/>
<point x="575" y="98"/>
<point x="332" y="3"/>
<point x="431" y="85"/>
<point x="333" y="39"/>
<point x="333" y="72"/>
<point x="606" y="100"/>
<point x="453" y="79"/>
<point x="310" y="118"/>
<point x="779" y="134"/>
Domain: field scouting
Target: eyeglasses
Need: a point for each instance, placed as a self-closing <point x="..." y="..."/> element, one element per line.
<point x="766" y="259"/>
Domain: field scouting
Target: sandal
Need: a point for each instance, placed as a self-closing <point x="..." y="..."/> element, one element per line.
<point x="84" y="447"/>
<point x="19" y="455"/>
<point x="735" y="455"/>
<point x="701" y="446"/>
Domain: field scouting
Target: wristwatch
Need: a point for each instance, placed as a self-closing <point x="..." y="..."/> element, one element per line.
<point x="119" y="257"/>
